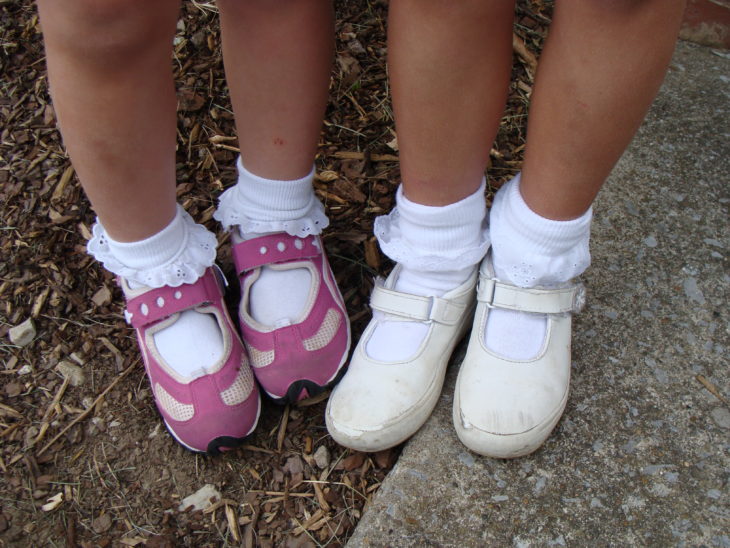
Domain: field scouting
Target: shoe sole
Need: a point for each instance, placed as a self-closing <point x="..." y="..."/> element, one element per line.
<point x="221" y="444"/>
<point x="313" y="389"/>
<point x="506" y="446"/>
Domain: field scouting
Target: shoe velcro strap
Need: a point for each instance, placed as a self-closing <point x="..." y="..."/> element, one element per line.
<point x="274" y="248"/>
<point x="497" y="294"/>
<point x="156" y="304"/>
<point x="415" y="307"/>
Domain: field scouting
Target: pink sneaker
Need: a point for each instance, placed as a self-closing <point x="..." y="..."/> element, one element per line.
<point x="211" y="411"/>
<point x="297" y="361"/>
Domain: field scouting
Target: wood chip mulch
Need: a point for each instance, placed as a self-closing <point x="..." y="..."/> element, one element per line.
<point x="85" y="459"/>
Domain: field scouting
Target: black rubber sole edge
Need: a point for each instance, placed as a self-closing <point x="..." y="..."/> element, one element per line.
<point x="313" y="389"/>
<point x="214" y="447"/>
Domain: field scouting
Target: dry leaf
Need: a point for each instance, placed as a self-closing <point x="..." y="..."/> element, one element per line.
<point x="53" y="502"/>
<point x="102" y="297"/>
<point x="372" y="254"/>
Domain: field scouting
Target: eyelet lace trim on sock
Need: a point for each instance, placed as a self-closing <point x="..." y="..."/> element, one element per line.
<point x="196" y="254"/>
<point x="388" y="233"/>
<point x="231" y="209"/>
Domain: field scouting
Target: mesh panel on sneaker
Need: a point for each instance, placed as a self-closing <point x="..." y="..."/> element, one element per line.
<point x="259" y="358"/>
<point x="326" y="331"/>
<point x="177" y="410"/>
<point x="241" y="387"/>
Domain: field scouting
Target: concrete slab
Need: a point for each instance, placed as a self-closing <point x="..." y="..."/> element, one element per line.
<point x="641" y="456"/>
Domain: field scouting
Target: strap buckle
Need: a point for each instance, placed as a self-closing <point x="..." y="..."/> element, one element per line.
<point x="486" y="289"/>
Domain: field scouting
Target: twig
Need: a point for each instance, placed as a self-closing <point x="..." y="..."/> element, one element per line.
<point x="51" y="407"/>
<point x="353" y="155"/>
<point x="518" y="45"/>
<point x="89" y="410"/>
<point x="7" y="410"/>
<point x="712" y="389"/>
<point x="282" y="430"/>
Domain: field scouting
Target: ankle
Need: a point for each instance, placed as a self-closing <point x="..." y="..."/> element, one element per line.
<point x="435" y="238"/>
<point x="530" y="250"/>
<point x="179" y="253"/>
<point x="260" y="206"/>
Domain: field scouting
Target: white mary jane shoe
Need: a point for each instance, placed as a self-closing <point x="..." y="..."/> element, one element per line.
<point x="379" y="404"/>
<point x="507" y="408"/>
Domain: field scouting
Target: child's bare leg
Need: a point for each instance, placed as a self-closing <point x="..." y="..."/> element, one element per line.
<point x="110" y="70"/>
<point x="111" y="82"/>
<point x="449" y="68"/>
<point x="592" y="91"/>
<point x="601" y="67"/>
<point x="278" y="58"/>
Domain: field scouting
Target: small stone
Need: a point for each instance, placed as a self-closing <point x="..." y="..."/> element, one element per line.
<point x="22" y="334"/>
<point x="721" y="416"/>
<point x="294" y="465"/>
<point x="25" y="370"/>
<point x="30" y="436"/>
<point x="198" y="39"/>
<point x="102" y="524"/>
<point x="692" y="290"/>
<point x="466" y="459"/>
<point x="200" y="500"/>
<point x="322" y="457"/>
<point x="650" y="241"/>
<point x="74" y="373"/>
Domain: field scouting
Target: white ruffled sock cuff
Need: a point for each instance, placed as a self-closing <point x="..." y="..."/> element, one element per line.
<point x="530" y="250"/>
<point x="435" y="238"/>
<point x="178" y="254"/>
<point x="259" y="205"/>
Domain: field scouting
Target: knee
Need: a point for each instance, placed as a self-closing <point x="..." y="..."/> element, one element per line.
<point x="109" y="30"/>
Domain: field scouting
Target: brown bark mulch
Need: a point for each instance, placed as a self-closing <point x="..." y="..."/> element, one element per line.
<point x="85" y="459"/>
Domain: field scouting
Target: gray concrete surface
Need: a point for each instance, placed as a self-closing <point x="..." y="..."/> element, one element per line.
<point x="641" y="457"/>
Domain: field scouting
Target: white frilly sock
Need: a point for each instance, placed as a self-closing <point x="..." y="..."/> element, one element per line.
<point x="438" y="248"/>
<point x="528" y="251"/>
<point x="178" y="254"/>
<point x="256" y="206"/>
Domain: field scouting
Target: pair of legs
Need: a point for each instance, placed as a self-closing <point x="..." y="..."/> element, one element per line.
<point x="449" y="68"/>
<point x="598" y="74"/>
<point x="600" y="69"/>
<point x="119" y="83"/>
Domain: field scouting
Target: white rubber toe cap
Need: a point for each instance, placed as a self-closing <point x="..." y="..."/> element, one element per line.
<point x="505" y="408"/>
